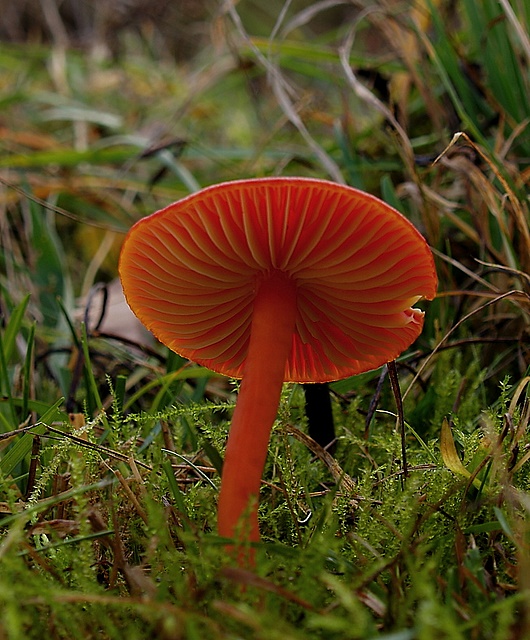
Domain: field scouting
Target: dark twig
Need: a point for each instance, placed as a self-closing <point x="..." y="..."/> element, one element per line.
<point x="374" y="402"/>
<point x="394" y="383"/>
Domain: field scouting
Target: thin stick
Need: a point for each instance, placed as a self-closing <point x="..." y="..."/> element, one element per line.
<point x="394" y="383"/>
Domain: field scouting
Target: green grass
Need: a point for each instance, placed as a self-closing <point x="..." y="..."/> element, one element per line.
<point x="110" y="454"/>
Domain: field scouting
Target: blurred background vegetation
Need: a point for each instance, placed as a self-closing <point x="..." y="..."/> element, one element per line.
<point x="111" y="447"/>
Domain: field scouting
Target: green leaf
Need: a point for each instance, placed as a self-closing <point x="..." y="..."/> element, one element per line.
<point x="177" y="494"/>
<point x="22" y="446"/>
<point x="50" y="272"/>
<point x="28" y="370"/>
<point x="20" y="450"/>
<point x="8" y="340"/>
<point x="504" y="523"/>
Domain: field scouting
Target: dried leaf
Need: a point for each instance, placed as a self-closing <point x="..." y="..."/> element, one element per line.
<point x="449" y="453"/>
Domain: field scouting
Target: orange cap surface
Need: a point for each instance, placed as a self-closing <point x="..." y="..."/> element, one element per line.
<point x="191" y="270"/>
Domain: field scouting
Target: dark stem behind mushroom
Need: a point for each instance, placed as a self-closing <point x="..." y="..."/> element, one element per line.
<point x="320" y="415"/>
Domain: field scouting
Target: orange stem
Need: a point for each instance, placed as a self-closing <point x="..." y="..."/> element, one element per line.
<point x="273" y="322"/>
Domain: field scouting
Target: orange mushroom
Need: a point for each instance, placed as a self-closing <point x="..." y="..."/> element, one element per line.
<point x="273" y="280"/>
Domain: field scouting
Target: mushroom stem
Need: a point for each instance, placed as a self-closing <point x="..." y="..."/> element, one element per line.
<point x="273" y="323"/>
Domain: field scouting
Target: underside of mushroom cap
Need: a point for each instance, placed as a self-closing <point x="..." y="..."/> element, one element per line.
<point x="190" y="273"/>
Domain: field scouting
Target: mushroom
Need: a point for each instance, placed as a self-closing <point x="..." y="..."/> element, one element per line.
<point x="273" y="280"/>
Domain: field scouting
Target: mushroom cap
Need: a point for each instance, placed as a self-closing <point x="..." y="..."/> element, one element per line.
<point x="190" y="273"/>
